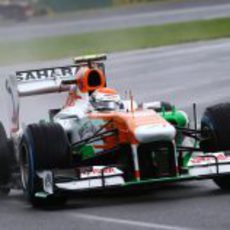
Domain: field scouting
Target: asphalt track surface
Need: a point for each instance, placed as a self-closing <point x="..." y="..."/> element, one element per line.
<point x="180" y="74"/>
<point x="150" y="14"/>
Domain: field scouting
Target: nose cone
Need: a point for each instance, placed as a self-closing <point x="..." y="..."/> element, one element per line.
<point x="155" y="132"/>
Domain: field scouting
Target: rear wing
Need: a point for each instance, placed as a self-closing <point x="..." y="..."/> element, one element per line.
<point x="90" y="58"/>
<point x="40" y="81"/>
<point x="46" y="80"/>
<point x="49" y="80"/>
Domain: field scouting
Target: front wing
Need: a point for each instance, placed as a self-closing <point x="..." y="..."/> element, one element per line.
<point x="101" y="178"/>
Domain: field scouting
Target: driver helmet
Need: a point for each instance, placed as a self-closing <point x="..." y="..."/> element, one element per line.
<point x="105" y="99"/>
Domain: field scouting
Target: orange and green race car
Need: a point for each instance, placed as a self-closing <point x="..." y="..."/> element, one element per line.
<point x="96" y="140"/>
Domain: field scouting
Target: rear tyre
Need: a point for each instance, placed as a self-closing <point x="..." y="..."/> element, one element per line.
<point x="215" y="127"/>
<point x="43" y="146"/>
<point x="5" y="157"/>
<point x="4" y="191"/>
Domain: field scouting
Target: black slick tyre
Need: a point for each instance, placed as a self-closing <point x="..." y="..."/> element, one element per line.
<point x="5" y="157"/>
<point x="215" y="127"/>
<point x="43" y="147"/>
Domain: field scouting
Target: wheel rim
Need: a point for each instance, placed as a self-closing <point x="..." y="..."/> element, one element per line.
<point x="24" y="166"/>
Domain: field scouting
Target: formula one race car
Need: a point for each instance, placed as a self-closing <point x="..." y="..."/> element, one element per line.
<point x="98" y="141"/>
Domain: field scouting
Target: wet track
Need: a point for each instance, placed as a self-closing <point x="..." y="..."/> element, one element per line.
<point x="181" y="74"/>
<point x="151" y="14"/>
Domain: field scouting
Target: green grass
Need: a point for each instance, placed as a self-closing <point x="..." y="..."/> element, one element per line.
<point x="114" y="40"/>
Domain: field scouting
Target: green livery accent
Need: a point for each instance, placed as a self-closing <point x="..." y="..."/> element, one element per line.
<point x="175" y="117"/>
<point x="41" y="194"/>
<point x="87" y="151"/>
<point x="160" y="180"/>
<point x="179" y="119"/>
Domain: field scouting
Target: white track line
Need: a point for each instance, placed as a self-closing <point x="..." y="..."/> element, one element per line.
<point x="137" y="224"/>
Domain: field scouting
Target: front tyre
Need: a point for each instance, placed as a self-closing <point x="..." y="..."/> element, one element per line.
<point x="215" y="127"/>
<point x="43" y="146"/>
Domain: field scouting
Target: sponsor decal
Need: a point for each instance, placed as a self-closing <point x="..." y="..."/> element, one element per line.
<point x="206" y="159"/>
<point x="97" y="171"/>
<point x="50" y="73"/>
<point x="45" y="74"/>
<point x="100" y="171"/>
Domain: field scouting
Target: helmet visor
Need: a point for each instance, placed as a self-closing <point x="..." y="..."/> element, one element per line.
<point x="106" y="105"/>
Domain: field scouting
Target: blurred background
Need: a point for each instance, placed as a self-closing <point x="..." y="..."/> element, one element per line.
<point x="25" y="9"/>
<point x="37" y="30"/>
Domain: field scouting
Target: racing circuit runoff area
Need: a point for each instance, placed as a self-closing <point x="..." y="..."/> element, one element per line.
<point x="180" y="74"/>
